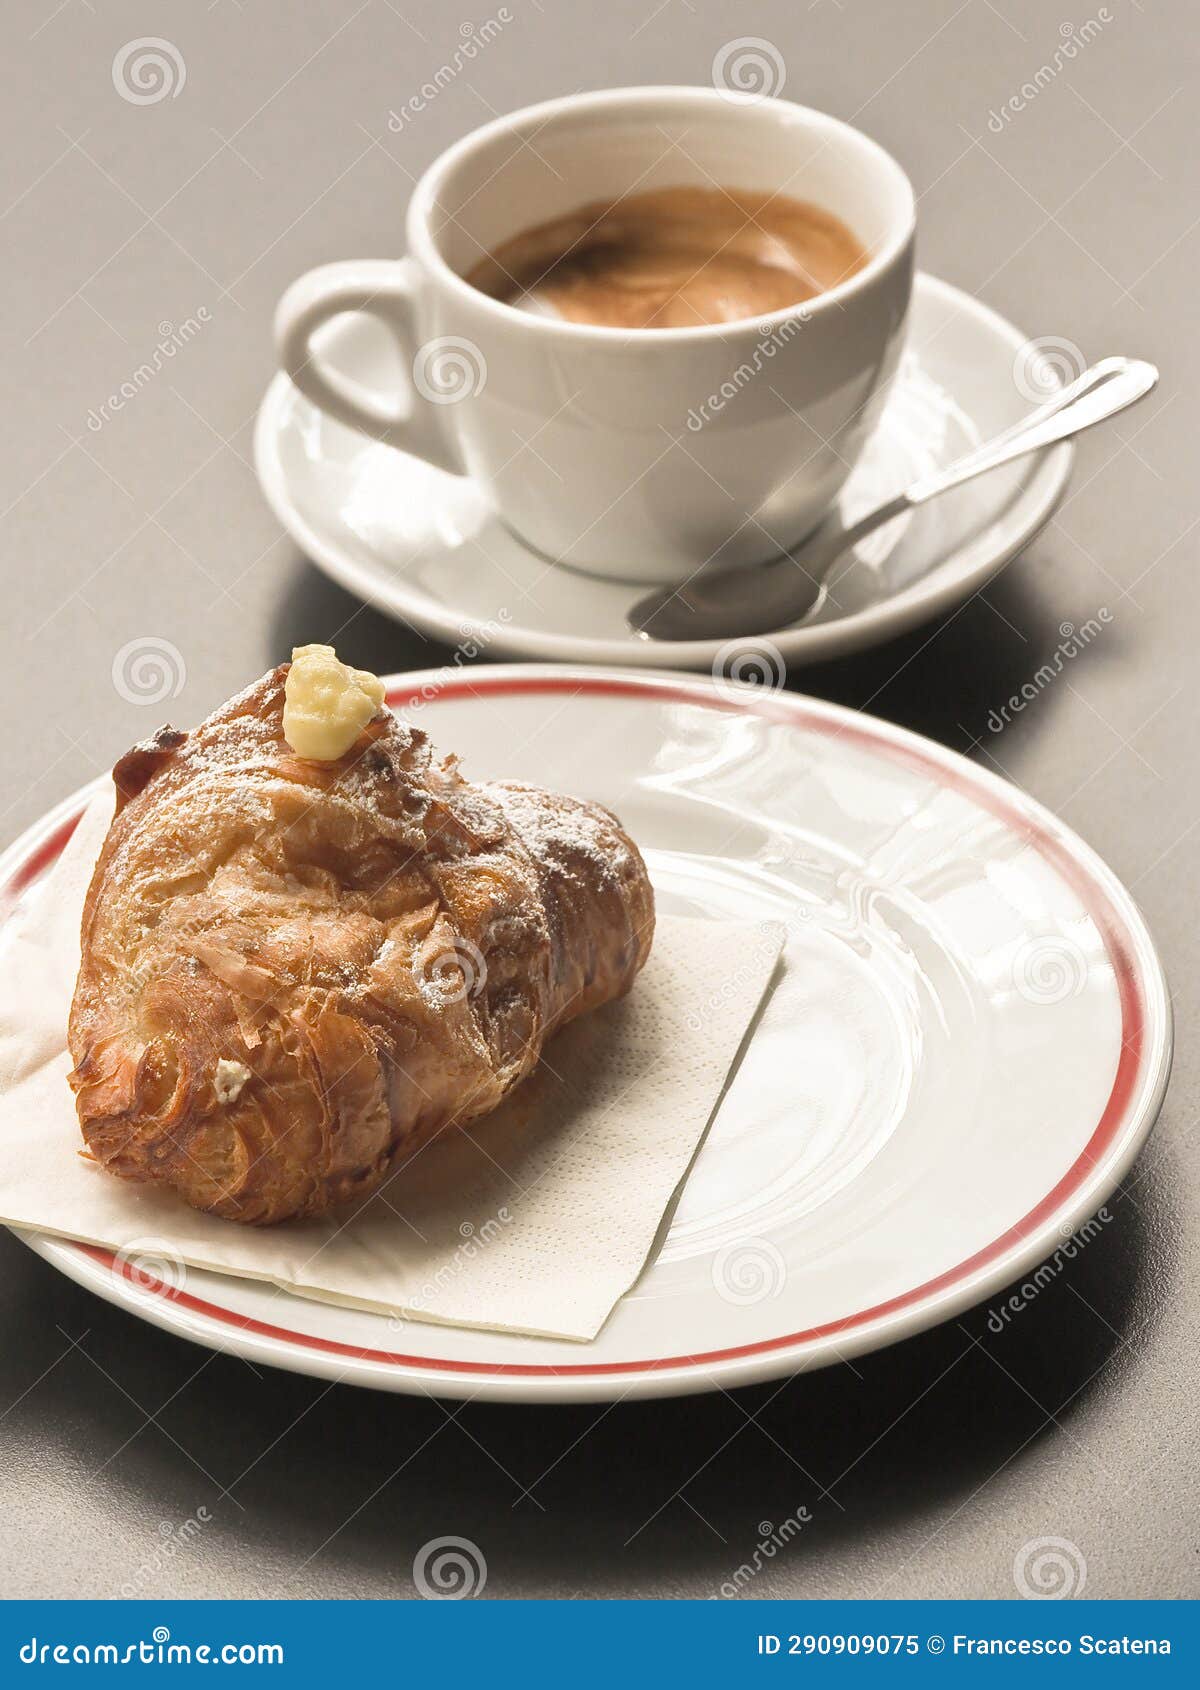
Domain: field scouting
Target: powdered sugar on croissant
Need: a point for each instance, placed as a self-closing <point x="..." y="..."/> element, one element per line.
<point x="294" y="972"/>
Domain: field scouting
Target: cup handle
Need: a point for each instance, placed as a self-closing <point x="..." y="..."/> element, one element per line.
<point x="387" y="289"/>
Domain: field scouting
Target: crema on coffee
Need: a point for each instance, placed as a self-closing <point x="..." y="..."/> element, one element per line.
<point x="673" y="258"/>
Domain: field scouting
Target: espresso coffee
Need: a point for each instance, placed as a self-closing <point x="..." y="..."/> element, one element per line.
<point x="673" y="258"/>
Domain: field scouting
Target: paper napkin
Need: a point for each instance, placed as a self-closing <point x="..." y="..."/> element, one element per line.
<point x="536" y="1218"/>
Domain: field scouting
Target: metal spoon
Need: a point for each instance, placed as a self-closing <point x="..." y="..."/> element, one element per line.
<point x="778" y="594"/>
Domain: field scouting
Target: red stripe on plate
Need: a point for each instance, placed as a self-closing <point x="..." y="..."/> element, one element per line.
<point x="951" y="772"/>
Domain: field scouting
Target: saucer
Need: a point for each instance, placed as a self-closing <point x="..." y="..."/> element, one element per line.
<point x="427" y="548"/>
<point x="966" y="1047"/>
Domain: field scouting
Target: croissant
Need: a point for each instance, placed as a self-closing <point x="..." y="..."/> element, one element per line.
<point x="294" y="971"/>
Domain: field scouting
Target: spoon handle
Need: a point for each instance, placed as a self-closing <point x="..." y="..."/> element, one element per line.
<point x="1100" y="392"/>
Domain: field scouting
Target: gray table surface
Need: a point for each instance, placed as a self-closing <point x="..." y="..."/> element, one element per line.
<point x="928" y="1468"/>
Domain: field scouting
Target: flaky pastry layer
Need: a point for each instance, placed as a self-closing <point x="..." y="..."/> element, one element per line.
<point x="294" y="973"/>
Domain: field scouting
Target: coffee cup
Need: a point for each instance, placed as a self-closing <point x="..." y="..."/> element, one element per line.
<point x="640" y="454"/>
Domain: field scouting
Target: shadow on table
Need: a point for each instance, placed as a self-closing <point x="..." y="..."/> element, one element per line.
<point x="315" y="609"/>
<point x="950" y="679"/>
<point x="318" y="1489"/>
<point x="954" y="679"/>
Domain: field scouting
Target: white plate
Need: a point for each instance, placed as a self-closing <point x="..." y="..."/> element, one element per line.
<point x="425" y="546"/>
<point x="971" y="1043"/>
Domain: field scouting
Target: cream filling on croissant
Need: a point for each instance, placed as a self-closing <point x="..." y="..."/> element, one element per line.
<point x="326" y="704"/>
